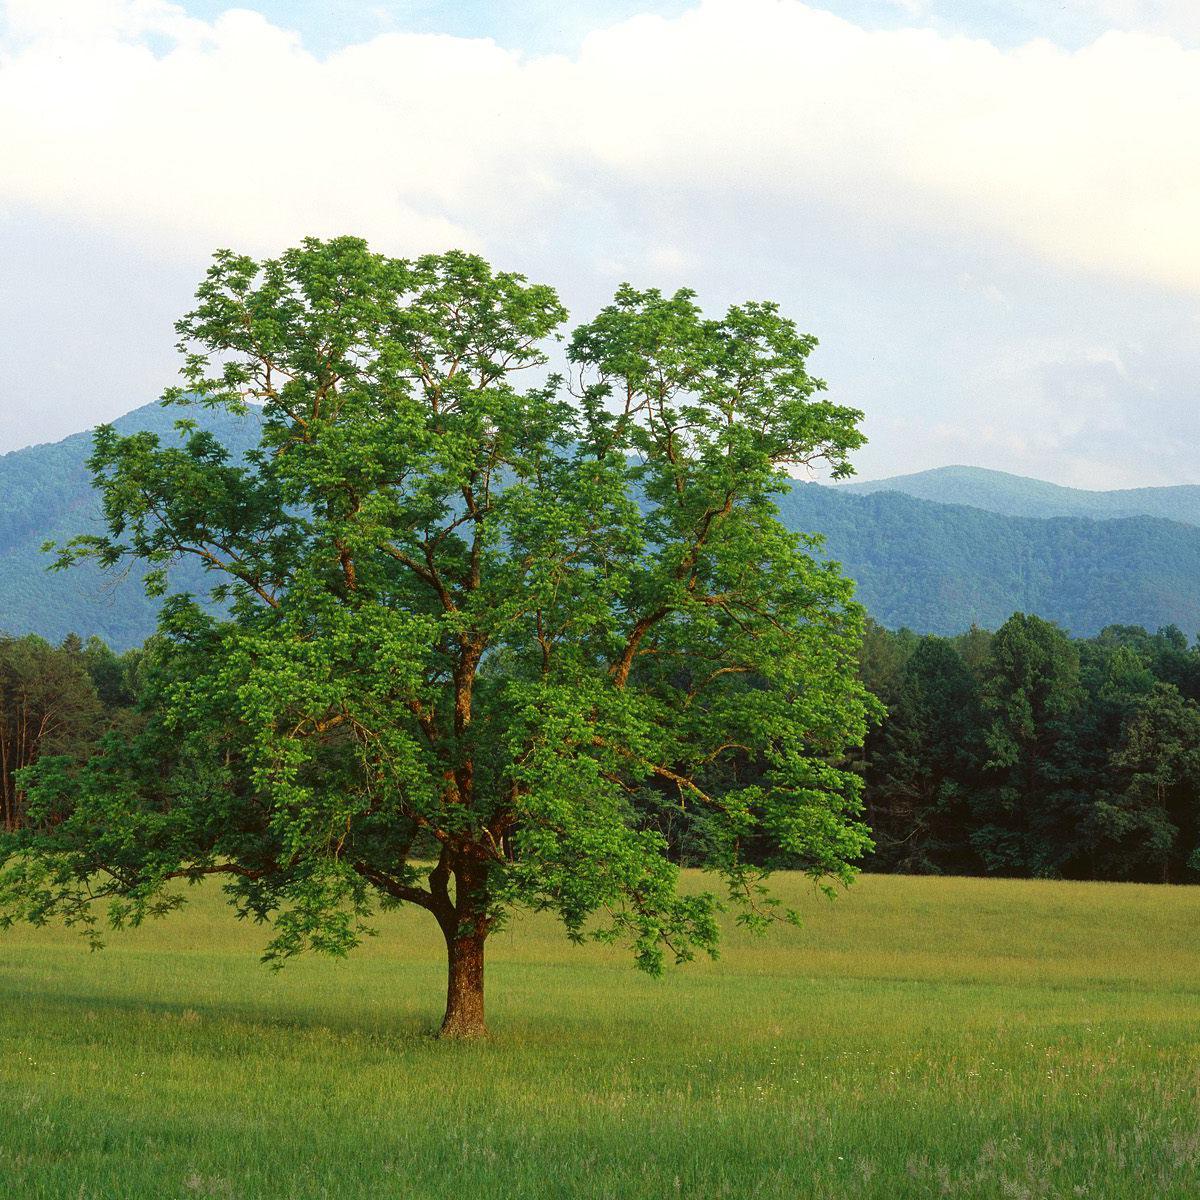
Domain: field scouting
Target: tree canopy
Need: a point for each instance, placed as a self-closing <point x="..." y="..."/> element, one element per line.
<point x="478" y="616"/>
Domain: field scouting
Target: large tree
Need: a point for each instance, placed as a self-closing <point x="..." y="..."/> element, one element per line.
<point x="472" y="610"/>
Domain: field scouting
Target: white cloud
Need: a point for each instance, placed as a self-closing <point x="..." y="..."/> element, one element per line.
<point x="1175" y="18"/>
<point x="128" y="114"/>
<point x="997" y="247"/>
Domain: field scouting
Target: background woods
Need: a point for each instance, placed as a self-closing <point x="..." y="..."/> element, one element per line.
<point x="56" y="700"/>
<point x="1028" y="753"/>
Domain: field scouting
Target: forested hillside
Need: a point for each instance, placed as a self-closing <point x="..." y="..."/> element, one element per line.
<point x="1017" y="496"/>
<point x="931" y="567"/>
<point x="939" y="568"/>
<point x="46" y="494"/>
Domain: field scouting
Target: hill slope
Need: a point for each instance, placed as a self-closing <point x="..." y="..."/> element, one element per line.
<point x="1017" y="496"/>
<point x="46" y="494"/>
<point x="935" y="567"/>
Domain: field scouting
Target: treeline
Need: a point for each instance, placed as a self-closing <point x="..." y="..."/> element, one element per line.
<point x="58" y="699"/>
<point x="1029" y="753"/>
<point x="1022" y="752"/>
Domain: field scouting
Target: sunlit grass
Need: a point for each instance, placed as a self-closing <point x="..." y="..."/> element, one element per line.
<point x="918" y="1037"/>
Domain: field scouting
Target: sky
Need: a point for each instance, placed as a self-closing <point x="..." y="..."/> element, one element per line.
<point x="987" y="212"/>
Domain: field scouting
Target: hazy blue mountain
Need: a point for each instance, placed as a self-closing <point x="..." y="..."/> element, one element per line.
<point x="933" y="566"/>
<point x="1017" y="496"/>
<point x="46" y="494"/>
<point x="939" y="567"/>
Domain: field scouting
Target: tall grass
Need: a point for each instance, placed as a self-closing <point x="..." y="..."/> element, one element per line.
<point x="919" y="1037"/>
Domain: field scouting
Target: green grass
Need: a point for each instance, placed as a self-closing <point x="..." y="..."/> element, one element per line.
<point x="919" y="1037"/>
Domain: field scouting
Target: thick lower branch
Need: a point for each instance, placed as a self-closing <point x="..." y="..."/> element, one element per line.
<point x="396" y="889"/>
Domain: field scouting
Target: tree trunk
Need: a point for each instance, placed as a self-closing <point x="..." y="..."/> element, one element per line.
<point x="464" y="992"/>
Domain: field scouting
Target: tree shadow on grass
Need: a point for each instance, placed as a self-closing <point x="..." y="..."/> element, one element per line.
<point x="80" y="1006"/>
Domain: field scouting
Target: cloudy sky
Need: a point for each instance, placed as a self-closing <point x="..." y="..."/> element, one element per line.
<point x="987" y="210"/>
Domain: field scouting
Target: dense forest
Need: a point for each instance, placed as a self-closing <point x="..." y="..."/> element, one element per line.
<point x="1022" y="752"/>
<point x="1027" y="753"/>
<point x="940" y="568"/>
<point x="46" y="494"/>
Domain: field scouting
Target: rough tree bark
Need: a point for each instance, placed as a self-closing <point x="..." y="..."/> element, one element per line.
<point x="464" y="992"/>
<point x="465" y="926"/>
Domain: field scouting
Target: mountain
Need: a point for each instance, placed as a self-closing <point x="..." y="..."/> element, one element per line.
<point x="46" y="494"/>
<point x="938" y="568"/>
<point x="933" y="565"/>
<point x="1016" y="496"/>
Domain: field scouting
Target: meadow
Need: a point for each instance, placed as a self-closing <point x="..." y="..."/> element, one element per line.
<point x="918" y="1037"/>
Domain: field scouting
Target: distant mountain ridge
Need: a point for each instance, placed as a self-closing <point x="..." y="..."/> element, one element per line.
<point x="979" y="546"/>
<point x="939" y="568"/>
<point x="46" y="495"/>
<point x="1019" y="496"/>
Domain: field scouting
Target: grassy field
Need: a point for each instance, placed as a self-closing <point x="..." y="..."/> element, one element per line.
<point x="919" y="1037"/>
